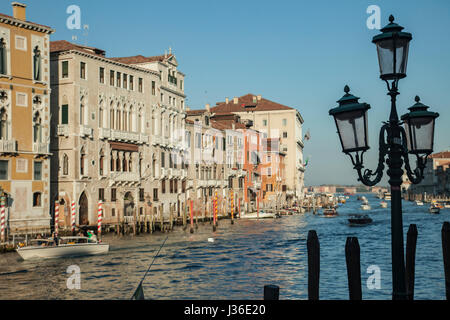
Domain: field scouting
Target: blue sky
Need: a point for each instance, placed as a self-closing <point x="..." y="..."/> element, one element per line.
<point x="298" y="53"/>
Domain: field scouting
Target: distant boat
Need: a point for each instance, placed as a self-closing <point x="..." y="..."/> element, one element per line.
<point x="261" y="215"/>
<point x="434" y="210"/>
<point x="365" y="207"/>
<point x="387" y="196"/>
<point x="383" y="204"/>
<point x="447" y="205"/>
<point x="419" y="203"/>
<point x="359" y="219"/>
<point x="330" y="212"/>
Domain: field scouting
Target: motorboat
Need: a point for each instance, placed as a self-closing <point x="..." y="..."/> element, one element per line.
<point x="419" y="203"/>
<point x="447" y="205"/>
<point x="359" y="219"/>
<point x="330" y="212"/>
<point x="434" y="209"/>
<point x="66" y="247"/>
<point x="387" y="196"/>
<point x="261" y="215"/>
<point x="365" y="207"/>
<point x="383" y="204"/>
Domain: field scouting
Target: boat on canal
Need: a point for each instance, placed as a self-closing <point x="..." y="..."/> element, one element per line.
<point x="261" y="215"/>
<point x="383" y="204"/>
<point x="387" y="196"/>
<point x="365" y="206"/>
<point x="359" y="219"/>
<point x="66" y="247"/>
<point x="419" y="203"/>
<point x="330" y="212"/>
<point x="434" y="209"/>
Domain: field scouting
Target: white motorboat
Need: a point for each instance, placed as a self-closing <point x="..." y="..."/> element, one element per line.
<point x="419" y="203"/>
<point x="67" y="247"/>
<point x="261" y="215"/>
<point x="387" y="196"/>
<point x="434" y="209"/>
<point x="365" y="207"/>
<point x="383" y="204"/>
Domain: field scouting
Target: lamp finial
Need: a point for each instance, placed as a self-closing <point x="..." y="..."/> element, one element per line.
<point x="346" y="89"/>
<point x="417" y="98"/>
<point x="391" y="18"/>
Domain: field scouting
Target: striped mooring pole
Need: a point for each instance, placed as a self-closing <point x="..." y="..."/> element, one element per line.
<point x="99" y="219"/>
<point x="73" y="216"/>
<point x="2" y="221"/>
<point x="56" y="218"/>
<point x="232" y="206"/>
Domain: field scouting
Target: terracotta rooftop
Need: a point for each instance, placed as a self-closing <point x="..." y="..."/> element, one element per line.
<point x="63" y="45"/>
<point x="141" y="59"/>
<point x="249" y="102"/>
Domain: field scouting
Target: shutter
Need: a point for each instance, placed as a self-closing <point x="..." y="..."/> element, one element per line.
<point x="65" y="114"/>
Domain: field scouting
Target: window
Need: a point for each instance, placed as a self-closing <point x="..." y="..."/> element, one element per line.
<point x="82" y="70"/>
<point x="153" y="88"/>
<point x="163" y="186"/>
<point x="82" y="162"/>
<point x="241" y="183"/>
<point x="113" y="212"/>
<point x="21" y="43"/>
<point x="65" y="69"/>
<point x="37" y="170"/>
<point x="118" y="77"/>
<point x="37" y="199"/>
<point x="65" y="165"/>
<point x="125" y="81"/>
<point x="37" y="65"/>
<point x="3" y="57"/>
<point x="265" y="123"/>
<point x="65" y="114"/>
<point x="131" y="82"/>
<point x="3" y="124"/>
<point x="102" y="75"/>
<point x="101" y="194"/>
<point x="37" y="128"/>
<point x="155" y="194"/>
<point x="230" y="182"/>
<point x="181" y="84"/>
<point x="171" y="185"/>
<point x="284" y="122"/>
<point x="269" y="172"/>
<point x="163" y="158"/>
<point x="269" y="187"/>
<point x="113" y="194"/>
<point x="111" y="78"/>
<point x="206" y="120"/>
<point x="140" y="85"/>
<point x="141" y="195"/>
<point x="21" y="99"/>
<point x="284" y="134"/>
<point x="101" y="164"/>
<point x="4" y="169"/>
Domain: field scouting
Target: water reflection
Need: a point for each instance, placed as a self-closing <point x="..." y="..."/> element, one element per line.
<point x="242" y="259"/>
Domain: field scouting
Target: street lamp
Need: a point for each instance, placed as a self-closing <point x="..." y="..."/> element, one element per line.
<point x="395" y="142"/>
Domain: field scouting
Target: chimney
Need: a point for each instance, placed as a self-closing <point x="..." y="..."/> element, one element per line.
<point x="19" y="10"/>
<point x="259" y="97"/>
<point x="235" y="100"/>
<point x="254" y="99"/>
<point x="233" y="126"/>
<point x="207" y="107"/>
<point x="227" y="100"/>
<point x="187" y="108"/>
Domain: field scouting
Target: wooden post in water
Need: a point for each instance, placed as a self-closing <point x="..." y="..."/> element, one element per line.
<point x="411" y="243"/>
<point x="191" y="207"/>
<point x="313" y="265"/>
<point x="271" y="292"/>
<point x="446" y="254"/>
<point x="352" y="257"/>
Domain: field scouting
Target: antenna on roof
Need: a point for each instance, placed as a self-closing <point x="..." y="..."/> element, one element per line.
<point x="86" y="33"/>
<point x="170" y="50"/>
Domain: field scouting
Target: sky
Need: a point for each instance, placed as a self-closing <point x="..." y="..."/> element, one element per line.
<point x="297" y="53"/>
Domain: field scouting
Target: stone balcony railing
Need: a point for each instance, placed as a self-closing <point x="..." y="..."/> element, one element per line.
<point x="164" y="173"/>
<point x="8" y="145"/>
<point x="104" y="133"/>
<point x="85" y="131"/>
<point x="156" y="140"/>
<point x="62" y="130"/>
<point x="211" y="183"/>
<point x="232" y="172"/>
<point x="40" y="147"/>
<point x="144" y="138"/>
<point x="125" y="176"/>
<point x="125" y="136"/>
<point x="257" y="185"/>
<point x="190" y="184"/>
<point x="201" y="183"/>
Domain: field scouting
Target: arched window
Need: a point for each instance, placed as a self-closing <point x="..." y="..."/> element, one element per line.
<point x="100" y="116"/>
<point x="130" y="163"/>
<point x="111" y="162"/>
<point x="101" y="163"/>
<point x="139" y="127"/>
<point x="3" y="61"/>
<point x="111" y="116"/>
<point x="118" y="117"/>
<point x="82" y="162"/>
<point x="82" y="111"/>
<point x="130" y="119"/>
<point x="37" y="75"/>
<point x="37" y="199"/>
<point x="3" y="124"/>
<point x="65" y="164"/>
<point x="37" y="128"/>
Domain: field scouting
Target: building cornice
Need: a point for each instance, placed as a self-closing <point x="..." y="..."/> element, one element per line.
<point x="173" y="91"/>
<point x="26" y="25"/>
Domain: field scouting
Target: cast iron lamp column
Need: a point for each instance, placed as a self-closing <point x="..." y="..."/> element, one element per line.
<point x="394" y="141"/>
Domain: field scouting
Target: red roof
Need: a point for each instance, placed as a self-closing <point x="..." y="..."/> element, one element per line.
<point x="141" y="59"/>
<point x="63" y="45"/>
<point x="441" y="155"/>
<point x="249" y="102"/>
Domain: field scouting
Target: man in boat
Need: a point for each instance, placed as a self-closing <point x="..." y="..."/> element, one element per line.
<point x="91" y="235"/>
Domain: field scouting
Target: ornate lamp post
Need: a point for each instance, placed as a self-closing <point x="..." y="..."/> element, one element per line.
<point x="395" y="142"/>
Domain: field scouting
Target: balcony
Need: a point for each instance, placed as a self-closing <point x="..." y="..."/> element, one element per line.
<point x="63" y="130"/>
<point x="124" y="136"/>
<point x="211" y="183"/>
<point x="124" y="178"/>
<point x="143" y="138"/>
<point x="257" y="185"/>
<point x="85" y="131"/>
<point x="242" y="173"/>
<point x="40" y="147"/>
<point x="156" y="140"/>
<point x="170" y="173"/>
<point x="190" y="184"/>
<point x="104" y="133"/>
<point x="201" y="183"/>
<point x="164" y="173"/>
<point x="232" y="172"/>
<point x="8" y="146"/>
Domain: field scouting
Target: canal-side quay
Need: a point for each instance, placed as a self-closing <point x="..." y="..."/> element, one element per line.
<point x="241" y="260"/>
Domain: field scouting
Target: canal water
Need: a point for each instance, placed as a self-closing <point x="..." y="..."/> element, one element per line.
<point x="242" y="259"/>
